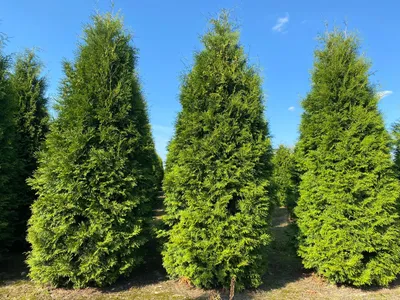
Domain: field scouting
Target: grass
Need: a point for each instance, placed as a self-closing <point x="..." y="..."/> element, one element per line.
<point x="285" y="280"/>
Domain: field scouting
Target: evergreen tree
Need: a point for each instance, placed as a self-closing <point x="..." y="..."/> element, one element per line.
<point x="349" y="226"/>
<point x="7" y="156"/>
<point x="95" y="181"/>
<point x="159" y="169"/>
<point x="396" y="147"/>
<point x="31" y="120"/>
<point x="284" y="176"/>
<point x="217" y="180"/>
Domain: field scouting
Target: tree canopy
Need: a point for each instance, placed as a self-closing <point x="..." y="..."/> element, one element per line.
<point x="347" y="216"/>
<point x="218" y="169"/>
<point x="96" y="179"/>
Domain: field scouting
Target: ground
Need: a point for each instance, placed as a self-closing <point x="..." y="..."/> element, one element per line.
<point x="286" y="279"/>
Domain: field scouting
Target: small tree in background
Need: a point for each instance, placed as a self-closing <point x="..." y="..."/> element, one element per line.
<point x="396" y="147"/>
<point x="218" y="169"/>
<point x="159" y="171"/>
<point x="284" y="177"/>
<point x="349" y="226"/>
<point x="31" y="120"/>
<point x="96" y="179"/>
<point x="8" y="197"/>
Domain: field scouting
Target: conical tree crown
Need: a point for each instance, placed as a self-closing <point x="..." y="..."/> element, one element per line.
<point x="348" y="195"/>
<point x="218" y="169"/>
<point x="31" y="118"/>
<point x="96" y="179"/>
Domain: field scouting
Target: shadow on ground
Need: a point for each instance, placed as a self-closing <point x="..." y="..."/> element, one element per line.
<point x="13" y="268"/>
<point x="284" y="265"/>
<point x="150" y="279"/>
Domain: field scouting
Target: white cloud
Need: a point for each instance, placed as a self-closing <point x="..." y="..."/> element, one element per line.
<point x="281" y="24"/>
<point x="384" y="94"/>
<point x="291" y="108"/>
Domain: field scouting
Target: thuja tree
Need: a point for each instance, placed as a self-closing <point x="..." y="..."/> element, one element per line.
<point x="95" y="181"/>
<point x="218" y="169"/>
<point x="7" y="156"/>
<point x="31" y="120"/>
<point x="396" y="147"/>
<point x="159" y="170"/>
<point x="284" y="176"/>
<point x="349" y="228"/>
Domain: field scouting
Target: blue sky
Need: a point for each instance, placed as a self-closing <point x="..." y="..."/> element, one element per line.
<point x="279" y="38"/>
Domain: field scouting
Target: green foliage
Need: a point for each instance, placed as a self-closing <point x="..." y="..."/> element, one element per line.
<point x="396" y="147"/>
<point x="96" y="181"/>
<point x="284" y="176"/>
<point x="218" y="169"/>
<point x="349" y="226"/>
<point x="7" y="156"/>
<point x="31" y="120"/>
<point x="159" y="170"/>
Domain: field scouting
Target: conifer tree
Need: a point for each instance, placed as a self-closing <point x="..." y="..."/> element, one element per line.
<point x="95" y="181"/>
<point x="284" y="176"/>
<point x="159" y="170"/>
<point x="396" y="148"/>
<point x="349" y="226"/>
<point x="31" y="120"/>
<point x="7" y="156"/>
<point x="217" y="180"/>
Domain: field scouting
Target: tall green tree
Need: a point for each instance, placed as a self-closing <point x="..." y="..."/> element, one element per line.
<point x="218" y="169"/>
<point x="96" y="181"/>
<point x="284" y="176"/>
<point x="349" y="226"/>
<point x="31" y="118"/>
<point x="396" y="147"/>
<point x="159" y="169"/>
<point x="8" y="196"/>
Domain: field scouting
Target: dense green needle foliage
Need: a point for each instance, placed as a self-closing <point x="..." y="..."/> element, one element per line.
<point x="31" y="120"/>
<point x="349" y="226"/>
<point x="396" y="147"/>
<point x="159" y="170"/>
<point x="218" y="170"/>
<point x="284" y="176"/>
<point x="96" y="178"/>
<point x="8" y="197"/>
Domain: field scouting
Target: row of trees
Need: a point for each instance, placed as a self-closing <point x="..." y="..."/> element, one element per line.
<point x="96" y="172"/>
